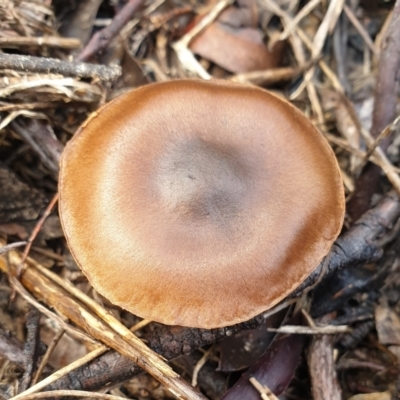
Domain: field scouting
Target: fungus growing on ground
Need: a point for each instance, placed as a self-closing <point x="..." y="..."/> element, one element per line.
<point x="199" y="203"/>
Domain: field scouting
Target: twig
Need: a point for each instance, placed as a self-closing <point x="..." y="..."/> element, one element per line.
<point x="101" y="39"/>
<point x="298" y="17"/>
<point x="328" y="23"/>
<point x="269" y="76"/>
<point x="199" y="365"/>
<point x="318" y="330"/>
<point x="322" y="369"/>
<point x="36" y="231"/>
<point x="52" y="65"/>
<point x="50" y="41"/>
<point x="99" y="323"/>
<point x="69" y="393"/>
<point x="181" y="46"/>
<point x="299" y="53"/>
<point x="264" y="391"/>
<point x="61" y="372"/>
<point x="11" y="246"/>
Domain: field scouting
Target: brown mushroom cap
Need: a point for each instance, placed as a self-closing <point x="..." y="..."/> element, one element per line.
<point x="199" y="203"/>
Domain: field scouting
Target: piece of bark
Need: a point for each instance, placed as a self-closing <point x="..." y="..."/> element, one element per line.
<point x="79" y="23"/>
<point x="47" y="65"/>
<point x="322" y="369"/>
<point x="103" y="38"/>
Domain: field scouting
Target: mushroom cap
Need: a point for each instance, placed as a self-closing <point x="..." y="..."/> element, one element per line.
<point x="199" y="203"/>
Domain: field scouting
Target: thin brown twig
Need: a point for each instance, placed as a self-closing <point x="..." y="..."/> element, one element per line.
<point x="36" y="231"/>
<point x="102" y="38"/>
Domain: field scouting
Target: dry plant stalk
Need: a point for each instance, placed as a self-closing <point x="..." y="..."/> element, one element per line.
<point x="181" y="46"/>
<point x="96" y="321"/>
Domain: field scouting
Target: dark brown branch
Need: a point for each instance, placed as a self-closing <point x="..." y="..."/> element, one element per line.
<point x="52" y="65"/>
<point x="102" y="38"/>
<point x="385" y="101"/>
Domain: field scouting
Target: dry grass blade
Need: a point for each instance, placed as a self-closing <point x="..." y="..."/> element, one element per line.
<point x="269" y="76"/>
<point x="299" y="16"/>
<point x="11" y="246"/>
<point x="265" y="392"/>
<point x="299" y="53"/>
<point x="318" y="330"/>
<point x="69" y="87"/>
<point x="70" y="393"/>
<point x="334" y="10"/>
<point x="185" y="56"/>
<point x="10" y="117"/>
<point x="102" y="325"/>
<point x="60" y="373"/>
<point x="378" y="157"/>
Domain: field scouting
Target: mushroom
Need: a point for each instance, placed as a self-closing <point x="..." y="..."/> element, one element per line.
<point x="199" y="203"/>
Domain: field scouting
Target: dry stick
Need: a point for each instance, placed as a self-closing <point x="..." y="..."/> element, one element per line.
<point x="385" y="101"/>
<point x="77" y="363"/>
<point x="297" y="18"/>
<point x="118" y="337"/>
<point x="17" y="286"/>
<point x="150" y="361"/>
<point x="181" y="47"/>
<point x="299" y="53"/>
<point x="265" y="392"/>
<point x="62" y="372"/>
<point x="52" y="65"/>
<point x="102" y="38"/>
<point x="50" y="41"/>
<point x="384" y="134"/>
<point x="71" y="393"/>
<point x="322" y="369"/>
<point x="269" y="76"/>
<point x="11" y="246"/>
<point x="328" y="23"/>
